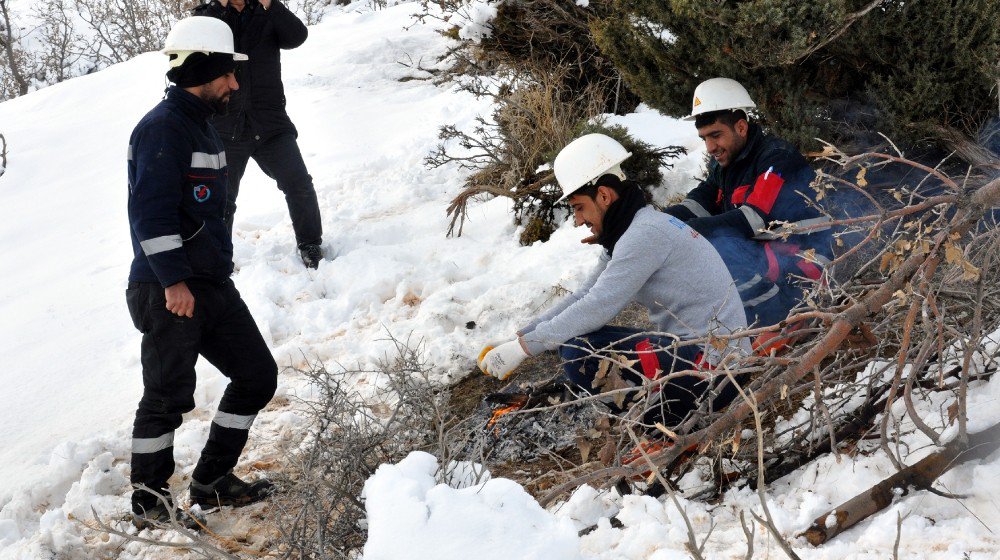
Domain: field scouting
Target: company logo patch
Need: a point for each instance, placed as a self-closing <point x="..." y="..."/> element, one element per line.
<point x="201" y="193"/>
<point x="697" y="101"/>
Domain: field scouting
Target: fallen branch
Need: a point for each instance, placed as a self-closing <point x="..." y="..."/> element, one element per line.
<point x="920" y="475"/>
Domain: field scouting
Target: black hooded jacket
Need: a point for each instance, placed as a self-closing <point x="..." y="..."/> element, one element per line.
<point x="258" y="107"/>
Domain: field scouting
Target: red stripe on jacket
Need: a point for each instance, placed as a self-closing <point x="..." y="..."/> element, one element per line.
<point x="765" y="191"/>
<point x="647" y="359"/>
<point x="739" y="195"/>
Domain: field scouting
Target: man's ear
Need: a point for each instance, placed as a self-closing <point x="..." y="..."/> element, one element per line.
<point x="742" y="128"/>
<point x="606" y="195"/>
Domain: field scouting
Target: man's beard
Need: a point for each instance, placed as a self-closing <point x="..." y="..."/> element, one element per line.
<point x="219" y="104"/>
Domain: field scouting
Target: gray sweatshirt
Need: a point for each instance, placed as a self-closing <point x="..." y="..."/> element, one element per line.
<point x="664" y="265"/>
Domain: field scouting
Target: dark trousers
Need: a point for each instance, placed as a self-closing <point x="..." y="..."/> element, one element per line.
<point x="771" y="277"/>
<point x="222" y="331"/>
<point x="280" y="159"/>
<point x="676" y="399"/>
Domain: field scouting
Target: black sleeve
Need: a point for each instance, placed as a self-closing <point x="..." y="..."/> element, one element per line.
<point x="679" y="211"/>
<point x="702" y="201"/>
<point x="211" y="9"/>
<point x="291" y="32"/>
<point x="733" y="219"/>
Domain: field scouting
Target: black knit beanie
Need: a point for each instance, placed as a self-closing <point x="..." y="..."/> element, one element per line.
<point x="200" y="68"/>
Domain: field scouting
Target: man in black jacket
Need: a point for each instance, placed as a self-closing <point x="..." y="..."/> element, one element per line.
<point x="256" y="125"/>
<point x="179" y="292"/>
<point x="757" y="186"/>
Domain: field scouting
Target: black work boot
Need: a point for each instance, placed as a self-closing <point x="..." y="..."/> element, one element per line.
<point x="159" y="517"/>
<point x="311" y="255"/>
<point x="229" y="490"/>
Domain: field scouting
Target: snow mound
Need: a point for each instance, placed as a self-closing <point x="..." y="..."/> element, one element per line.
<point x="410" y="516"/>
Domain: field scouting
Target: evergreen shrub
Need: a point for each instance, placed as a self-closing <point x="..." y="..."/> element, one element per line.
<point x="919" y="72"/>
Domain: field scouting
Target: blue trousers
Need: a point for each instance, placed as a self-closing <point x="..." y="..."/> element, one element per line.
<point x="766" y="274"/>
<point x="676" y="399"/>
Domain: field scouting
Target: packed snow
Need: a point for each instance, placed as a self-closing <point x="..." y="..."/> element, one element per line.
<point x="367" y="115"/>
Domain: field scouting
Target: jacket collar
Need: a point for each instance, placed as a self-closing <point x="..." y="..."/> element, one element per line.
<point x="754" y="137"/>
<point x="189" y="103"/>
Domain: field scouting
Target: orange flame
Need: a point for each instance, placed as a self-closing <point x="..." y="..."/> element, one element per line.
<point x="498" y="413"/>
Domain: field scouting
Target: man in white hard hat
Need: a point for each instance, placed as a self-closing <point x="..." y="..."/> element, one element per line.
<point x="687" y="289"/>
<point x="755" y="180"/>
<point x="180" y="294"/>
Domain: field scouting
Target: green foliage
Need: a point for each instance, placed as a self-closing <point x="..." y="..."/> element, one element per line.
<point x="826" y="69"/>
<point x="546" y="75"/>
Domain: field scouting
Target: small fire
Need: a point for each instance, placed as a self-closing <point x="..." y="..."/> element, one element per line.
<point x="498" y="413"/>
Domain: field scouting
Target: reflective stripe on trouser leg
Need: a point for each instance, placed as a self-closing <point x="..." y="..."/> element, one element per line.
<point x="152" y="464"/>
<point x="226" y="440"/>
<point x="236" y="421"/>
<point x="760" y="301"/>
<point x="152" y="445"/>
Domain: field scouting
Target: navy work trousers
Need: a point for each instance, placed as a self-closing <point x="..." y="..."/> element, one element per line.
<point x="771" y="276"/>
<point x="280" y="159"/>
<point x="675" y="400"/>
<point x="222" y="331"/>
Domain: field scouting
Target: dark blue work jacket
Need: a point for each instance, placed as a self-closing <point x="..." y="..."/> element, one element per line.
<point x="768" y="182"/>
<point x="177" y="194"/>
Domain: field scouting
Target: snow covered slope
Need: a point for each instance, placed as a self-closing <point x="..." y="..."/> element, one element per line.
<point x="71" y="379"/>
<point x="71" y="376"/>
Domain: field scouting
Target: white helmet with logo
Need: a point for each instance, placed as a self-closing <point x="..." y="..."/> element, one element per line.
<point x="588" y="158"/>
<point x="199" y="34"/>
<point x="719" y="94"/>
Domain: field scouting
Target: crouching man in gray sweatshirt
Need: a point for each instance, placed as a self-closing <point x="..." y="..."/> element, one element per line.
<point x="683" y="282"/>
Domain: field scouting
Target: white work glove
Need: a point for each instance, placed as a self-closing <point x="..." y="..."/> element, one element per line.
<point x="489" y="346"/>
<point x="501" y="361"/>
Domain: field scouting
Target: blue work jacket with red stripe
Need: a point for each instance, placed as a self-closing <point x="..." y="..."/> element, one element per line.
<point x="177" y="194"/>
<point x="768" y="181"/>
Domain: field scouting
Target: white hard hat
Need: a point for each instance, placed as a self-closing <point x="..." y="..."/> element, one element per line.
<point x="200" y="34"/>
<point x="719" y="94"/>
<point x="587" y="158"/>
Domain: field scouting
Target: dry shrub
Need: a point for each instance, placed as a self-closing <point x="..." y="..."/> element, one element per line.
<point x="542" y="69"/>
<point x="350" y="434"/>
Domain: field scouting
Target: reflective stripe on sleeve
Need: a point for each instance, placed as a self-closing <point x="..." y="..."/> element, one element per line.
<point x="789" y="229"/>
<point x="762" y="298"/>
<point x="821" y="260"/>
<point x="208" y="161"/>
<point x="753" y="218"/>
<point x="234" y="421"/>
<point x="749" y="283"/>
<point x="697" y="209"/>
<point x="152" y="445"/>
<point x="130" y="152"/>
<point x="161" y="244"/>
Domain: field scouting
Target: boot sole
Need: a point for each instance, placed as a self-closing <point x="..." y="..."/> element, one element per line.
<point x="143" y="524"/>
<point x="215" y="502"/>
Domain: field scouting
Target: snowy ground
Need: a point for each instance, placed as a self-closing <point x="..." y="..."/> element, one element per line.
<point x="71" y="375"/>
